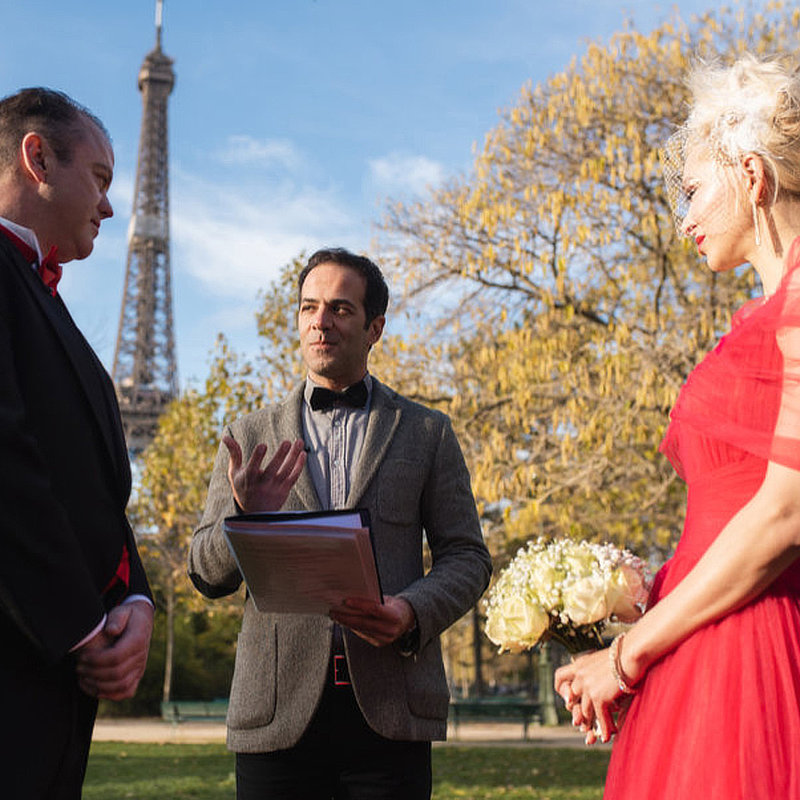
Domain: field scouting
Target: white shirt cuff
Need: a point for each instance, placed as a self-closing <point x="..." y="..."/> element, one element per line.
<point x="132" y="598"/>
<point x="91" y="635"/>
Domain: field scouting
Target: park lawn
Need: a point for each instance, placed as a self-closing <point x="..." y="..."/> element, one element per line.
<point x="518" y="773"/>
<point x="159" y="772"/>
<point x="120" y="770"/>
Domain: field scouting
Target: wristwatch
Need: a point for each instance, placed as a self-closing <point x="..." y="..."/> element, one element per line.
<point x="408" y="643"/>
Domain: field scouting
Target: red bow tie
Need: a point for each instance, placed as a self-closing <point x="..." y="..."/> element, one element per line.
<point x="50" y="270"/>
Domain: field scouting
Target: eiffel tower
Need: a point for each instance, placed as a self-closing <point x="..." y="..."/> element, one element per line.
<point x="145" y="371"/>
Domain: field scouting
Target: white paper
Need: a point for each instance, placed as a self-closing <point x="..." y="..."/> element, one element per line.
<point x="304" y="565"/>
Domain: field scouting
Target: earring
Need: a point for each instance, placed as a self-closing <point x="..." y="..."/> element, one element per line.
<point x="755" y="224"/>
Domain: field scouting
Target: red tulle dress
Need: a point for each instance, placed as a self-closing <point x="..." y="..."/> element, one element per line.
<point x="718" y="717"/>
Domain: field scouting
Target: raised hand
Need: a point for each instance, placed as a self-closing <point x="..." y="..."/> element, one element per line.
<point x="257" y="489"/>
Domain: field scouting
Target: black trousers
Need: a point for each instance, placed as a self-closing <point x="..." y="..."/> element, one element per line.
<point x="338" y="758"/>
<point x="47" y="727"/>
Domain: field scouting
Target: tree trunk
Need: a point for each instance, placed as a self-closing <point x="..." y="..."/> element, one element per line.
<point x="477" y="651"/>
<point x="547" y="692"/>
<point x="169" y="637"/>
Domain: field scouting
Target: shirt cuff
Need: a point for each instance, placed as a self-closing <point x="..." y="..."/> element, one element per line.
<point x="131" y="598"/>
<point x="90" y="635"/>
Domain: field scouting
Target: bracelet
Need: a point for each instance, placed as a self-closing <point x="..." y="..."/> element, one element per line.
<point x="616" y="666"/>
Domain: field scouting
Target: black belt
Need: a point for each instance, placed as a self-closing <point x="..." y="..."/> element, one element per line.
<point x="341" y="674"/>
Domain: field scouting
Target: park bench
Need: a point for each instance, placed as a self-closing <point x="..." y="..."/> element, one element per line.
<point x="196" y="710"/>
<point x="495" y="709"/>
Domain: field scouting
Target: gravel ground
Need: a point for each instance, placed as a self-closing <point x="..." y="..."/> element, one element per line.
<point x="156" y="730"/>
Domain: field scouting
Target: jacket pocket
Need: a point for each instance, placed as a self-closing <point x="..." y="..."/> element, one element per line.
<point x="253" y="689"/>
<point x="426" y="684"/>
<point x="400" y="482"/>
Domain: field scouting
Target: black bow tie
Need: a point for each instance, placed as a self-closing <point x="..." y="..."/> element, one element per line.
<point x="322" y="399"/>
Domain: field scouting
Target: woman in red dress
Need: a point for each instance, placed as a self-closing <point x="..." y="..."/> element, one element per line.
<point x="711" y="672"/>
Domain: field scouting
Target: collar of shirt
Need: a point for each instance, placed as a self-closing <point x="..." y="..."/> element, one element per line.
<point x="26" y="234"/>
<point x="334" y="439"/>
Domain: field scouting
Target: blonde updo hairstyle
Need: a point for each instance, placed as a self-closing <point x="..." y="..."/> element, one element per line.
<point x="752" y="106"/>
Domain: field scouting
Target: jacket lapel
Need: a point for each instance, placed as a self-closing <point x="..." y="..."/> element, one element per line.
<point x="287" y="423"/>
<point x="92" y="376"/>
<point x="384" y="417"/>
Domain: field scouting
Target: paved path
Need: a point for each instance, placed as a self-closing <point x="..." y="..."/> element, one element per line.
<point x="505" y="734"/>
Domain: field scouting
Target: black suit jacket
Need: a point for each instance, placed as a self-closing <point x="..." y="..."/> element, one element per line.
<point x="64" y="471"/>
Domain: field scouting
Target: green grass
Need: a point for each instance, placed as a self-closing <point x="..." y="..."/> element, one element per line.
<point x="159" y="772"/>
<point x="206" y="772"/>
<point x="514" y="773"/>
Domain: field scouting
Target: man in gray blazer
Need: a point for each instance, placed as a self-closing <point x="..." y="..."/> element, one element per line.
<point x="346" y="705"/>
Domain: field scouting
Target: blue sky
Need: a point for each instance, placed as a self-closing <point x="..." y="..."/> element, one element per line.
<point x="291" y="123"/>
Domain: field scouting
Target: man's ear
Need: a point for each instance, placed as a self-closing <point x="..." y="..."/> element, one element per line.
<point x="376" y="329"/>
<point x="34" y="156"/>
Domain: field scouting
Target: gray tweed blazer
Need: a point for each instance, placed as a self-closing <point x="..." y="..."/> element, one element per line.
<point x="412" y="478"/>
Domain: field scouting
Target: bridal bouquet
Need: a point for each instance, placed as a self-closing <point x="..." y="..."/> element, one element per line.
<point x="567" y="591"/>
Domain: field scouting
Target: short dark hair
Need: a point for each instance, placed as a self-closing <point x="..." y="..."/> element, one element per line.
<point x="52" y="113"/>
<point x="376" y="296"/>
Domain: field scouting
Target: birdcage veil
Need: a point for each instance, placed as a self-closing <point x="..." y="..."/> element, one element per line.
<point x="694" y="166"/>
<point x="673" y="159"/>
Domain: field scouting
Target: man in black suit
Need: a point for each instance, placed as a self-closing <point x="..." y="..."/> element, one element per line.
<point x="75" y="609"/>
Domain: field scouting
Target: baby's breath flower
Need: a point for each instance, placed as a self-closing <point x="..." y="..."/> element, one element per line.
<point x="565" y="590"/>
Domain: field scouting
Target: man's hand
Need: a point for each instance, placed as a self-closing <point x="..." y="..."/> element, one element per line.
<point x="256" y="489"/>
<point x="375" y="623"/>
<point x="111" y="664"/>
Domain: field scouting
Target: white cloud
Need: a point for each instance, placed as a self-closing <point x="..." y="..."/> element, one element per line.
<point x="121" y="193"/>
<point x="408" y="174"/>
<point x="244" y="149"/>
<point x="236" y="240"/>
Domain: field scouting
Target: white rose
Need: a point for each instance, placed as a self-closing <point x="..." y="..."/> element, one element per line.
<point x="516" y="624"/>
<point x="579" y="560"/>
<point x="585" y="600"/>
<point x="496" y="626"/>
<point x="626" y="590"/>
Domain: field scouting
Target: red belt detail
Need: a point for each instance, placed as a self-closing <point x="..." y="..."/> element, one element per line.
<point x="341" y="675"/>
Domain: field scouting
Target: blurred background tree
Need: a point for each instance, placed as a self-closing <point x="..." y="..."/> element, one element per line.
<point x="570" y="309"/>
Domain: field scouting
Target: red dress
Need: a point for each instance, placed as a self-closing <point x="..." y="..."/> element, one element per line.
<point x="718" y="718"/>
